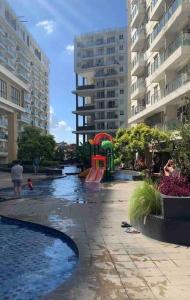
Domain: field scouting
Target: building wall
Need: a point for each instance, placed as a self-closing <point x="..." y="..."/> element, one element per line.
<point x="101" y="68"/>
<point x="25" y="66"/>
<point x="160" y="46"/>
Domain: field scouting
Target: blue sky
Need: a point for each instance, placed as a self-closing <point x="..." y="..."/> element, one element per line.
<point x="54" y="23"/>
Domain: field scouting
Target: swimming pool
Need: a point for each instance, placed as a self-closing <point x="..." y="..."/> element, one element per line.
<point x="71" y="188"/>
<point x="32" y="262"/>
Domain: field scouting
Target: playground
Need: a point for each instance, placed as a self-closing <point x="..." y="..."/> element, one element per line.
<point x="102" y="158"/>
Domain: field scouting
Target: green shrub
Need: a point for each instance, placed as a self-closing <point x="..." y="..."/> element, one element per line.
<point x="144" y="201"/>
<point x="117" y="161"/>
<point x="49" y="163"/>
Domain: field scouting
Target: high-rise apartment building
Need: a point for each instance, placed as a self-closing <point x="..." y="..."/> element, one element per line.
<point x="159" y="55"/>
<point x="101" y="82"/>
<point x="24" y="71"/>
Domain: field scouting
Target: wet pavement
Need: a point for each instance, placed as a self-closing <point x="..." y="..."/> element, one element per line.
<point x="113" y="264"/>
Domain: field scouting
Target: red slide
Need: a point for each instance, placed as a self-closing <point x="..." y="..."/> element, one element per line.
<point x="95" y="175"/>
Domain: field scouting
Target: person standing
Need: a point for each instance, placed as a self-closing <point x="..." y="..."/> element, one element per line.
<point x="36" y="163"/>
<point x="17" y="176"/>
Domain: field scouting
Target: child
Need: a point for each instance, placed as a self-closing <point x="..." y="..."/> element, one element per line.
<point x="30" y="184"/>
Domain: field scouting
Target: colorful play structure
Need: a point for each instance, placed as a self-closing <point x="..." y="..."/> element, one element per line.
<point x="102" y="160"/>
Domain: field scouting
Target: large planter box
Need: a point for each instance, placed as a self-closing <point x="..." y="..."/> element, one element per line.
<point x="177" y="208"/>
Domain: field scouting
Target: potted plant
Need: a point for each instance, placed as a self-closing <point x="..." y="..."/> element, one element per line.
<point x="175" y="197"/>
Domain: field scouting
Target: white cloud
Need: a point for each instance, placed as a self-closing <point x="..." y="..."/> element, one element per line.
<point x="47" y="25"/>
<point x="69" y="49"/>
<point x="64" y="126"/>
<point x="58" y="128"/>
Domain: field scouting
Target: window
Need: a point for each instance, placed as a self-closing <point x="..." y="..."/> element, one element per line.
<point x="121" y="47"/>
<point x="15" y="95"/>
<point x="121" y="92"/>
<point x="100" y="51"/>
<point x="110" y="94"/>
<point x="111" y="104"/>
<point x="148" y="69"/>
<point x="100" y="104"/>
<point x="111" y="71"/>
<point x="101" y="125"/>
<point x="112" y="83"/>
<point x="111" y="39"/>
<point x="121" y="69"/>
<point x="100" y="95"/>
<point x="110" y="50"/>
<point x="3" y="89"/>
<point x="122" y="113"/>
<point x="100" y="83"/>
<point x="111" y="115"/>
<point x="111" y="125"/>
<point x="148" y="98"/>
<point x="121" y="57"/>
<point x="99" y="41"/>
<point x="121" y="36"/>
<point x="100" y="115"/>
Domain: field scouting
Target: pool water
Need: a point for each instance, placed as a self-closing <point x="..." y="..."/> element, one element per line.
<point x="71" y="188"/>
<point x="32" y="263"/>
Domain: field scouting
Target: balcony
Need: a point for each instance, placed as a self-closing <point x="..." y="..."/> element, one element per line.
<point x="3" y="43"/>
<point x="10" y="64"/>
<point x="25" y="119"/>
<point x="137" y="109"/>
<point x="23" y="64"/>
<point x="175" y="90"/>
<point x="85" y="128"/>
<point x="138" y="64"/>
<point x="84" y="90"/>
<point x="138" y="14"/>
<point x="138" y="40"/>
<point x="176" y="53"/>
<point x="23" y="76"/>
<point x="172" y="21"/>
<point x="2" y="58"/>
<point x="138" y="89"/>
<point x="157" y="9"/>
<point x="86" y="107"/>
<point x="3" y="123"/>
<point x="10" y="52"/>
<point x="3" y="136"/>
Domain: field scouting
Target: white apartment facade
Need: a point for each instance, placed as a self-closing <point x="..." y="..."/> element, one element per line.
<point x="159" y="56"/>
<point x="24" y="72"/>
<point x="101" y="82"/>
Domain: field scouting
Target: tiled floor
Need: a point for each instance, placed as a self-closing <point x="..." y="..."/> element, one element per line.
<point x="114" y="264"/>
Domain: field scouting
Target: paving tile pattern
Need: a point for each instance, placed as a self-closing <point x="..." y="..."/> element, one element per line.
<point x="113" y="264"/>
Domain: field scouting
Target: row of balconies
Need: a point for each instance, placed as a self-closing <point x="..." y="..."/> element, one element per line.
<point x="138" y="39"/>
<point x="177" y="52"/>
<point x="173" y="90"/>
<point x="174" y="24"/>
<point x="100" y="127"/>
<point x="98" y="43"/>
<point x="93" y="64"/>
<point x="138" y="14"/>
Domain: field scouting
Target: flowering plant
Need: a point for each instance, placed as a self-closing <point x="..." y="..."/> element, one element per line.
<point x="175" y="186"/>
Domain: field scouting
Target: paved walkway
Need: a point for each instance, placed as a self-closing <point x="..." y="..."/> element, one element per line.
<point x="113" y="264"/>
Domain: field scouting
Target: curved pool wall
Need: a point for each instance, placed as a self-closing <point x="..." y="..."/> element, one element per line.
<point x="34" y="259"/>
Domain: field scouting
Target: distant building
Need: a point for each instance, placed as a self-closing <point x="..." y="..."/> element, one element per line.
<point x="101" y="82"/>
<point x="159" y="61"/>
<point x="24" y="71"/>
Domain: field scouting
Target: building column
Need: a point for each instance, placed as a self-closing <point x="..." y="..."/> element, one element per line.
<point x="77" y="117"/>
<point x="12" y="136"/>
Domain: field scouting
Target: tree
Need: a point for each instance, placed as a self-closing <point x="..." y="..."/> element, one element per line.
<point x="129" y="141"/>
<point x="34" y="143"/>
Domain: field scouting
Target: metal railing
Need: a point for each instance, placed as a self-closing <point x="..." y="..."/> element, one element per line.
<point x="182" y="40"/>
<point x="166" y="17"/>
